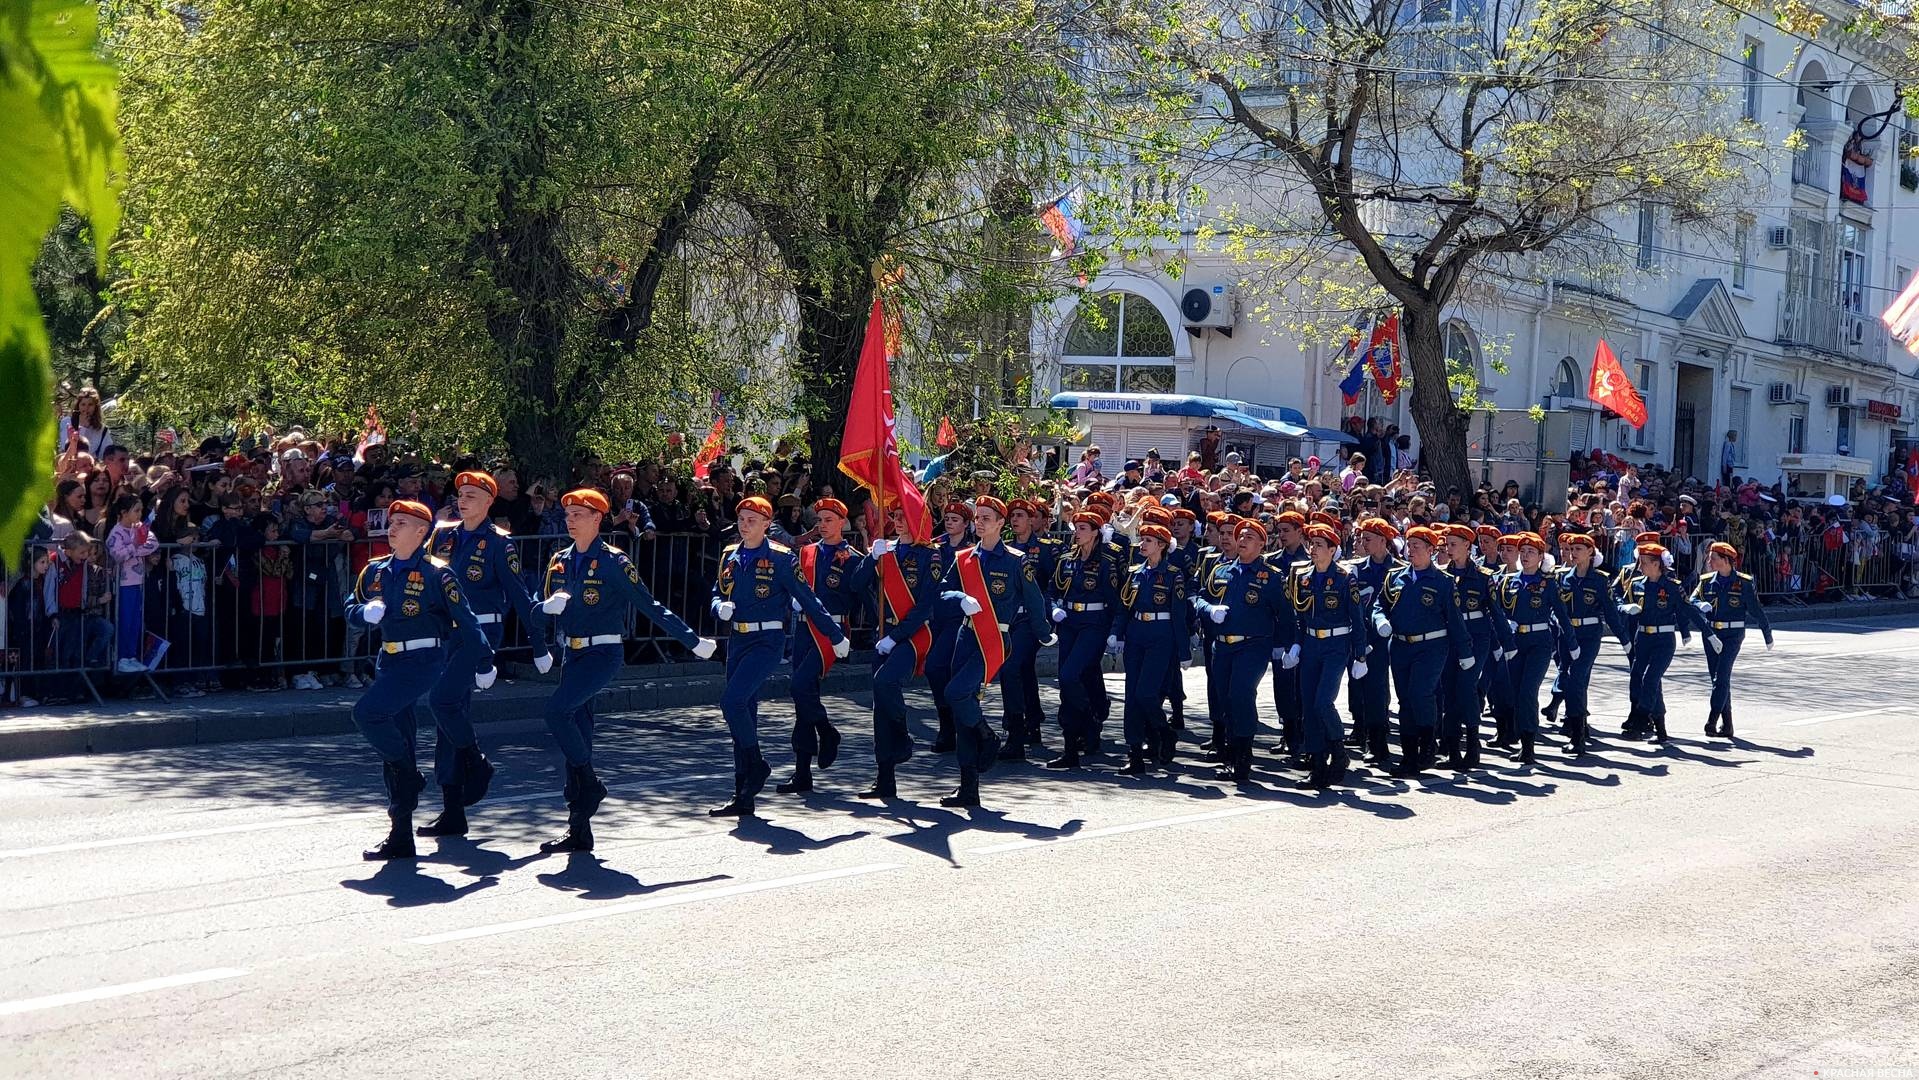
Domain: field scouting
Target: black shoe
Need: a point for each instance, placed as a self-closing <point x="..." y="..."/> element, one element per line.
<point x="961" y="796"/>
<point x="1066" y="760"/>
<point x="945" y="744"/>
<point x="1712" y="723"/>
<point x="883" y="787"/>
<point x="1659" y="727"/>
<point x="1014" y="750"/>
<point x="754" y="781"/>
<point x="741" y="806"/>
<point x="801" y="783"/>
<point x="476" y="773"/>
<point x="576" y="838"/>
<point x="829" y="745"/>
<point x="1168" y="746"/>
<point x="1455" y="763"/>
<point x="1526" y="750"/>
<point x="398" y="843"/>
<point x="452" y="819"/>
<point x="1135" y="766"/>
<point x="1725" y="724"/>
<point x="585" y="791"/>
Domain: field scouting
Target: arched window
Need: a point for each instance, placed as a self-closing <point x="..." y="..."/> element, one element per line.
<point x="1118" y="342"/>
<point x="1462" y="359"/>
<point x="1566" y="379"/>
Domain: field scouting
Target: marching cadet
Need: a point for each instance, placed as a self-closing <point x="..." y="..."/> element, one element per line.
<point x="1638" y="725"/>
<point x="1217" y="542"/>
<point x="1244" y="597"/>
<point x="1587" y="597"/>
<point x="429" y="612"/>
<point x="1151" y="631"/>
<point x="1728" y="600"/>
<point x="1367" y="697"/>
<point x="1025" y="717"/>
<point x="909" y="577"/>
<point x="606" y="584"/>
<point x="1529" y="599"/>
<point x="1085" y="590"/>
<point x="1488" y="552"/>
<point x="1656" y="604"/>
<point x="484" y="559"/>
<point x="1499" y="694"/>
<point x="1331" y="643"/>
<point x="1487" y="633"/>
<point x="1416" y="608"/>
<point x="757" y="579"/>
<point x="1287" y="701"/>
<point x="1174" y="690"/>
<point x="994" y="587"/>
<point x="839" y="576"/>
<point x="958" y="522"/>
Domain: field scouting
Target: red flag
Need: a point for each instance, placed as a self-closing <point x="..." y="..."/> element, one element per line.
<point x="947" y="438"/>
<point x="1382" y="356"/>
<point x="1611" y="388"/>
<point x="869" y="445"/>
<point x="710" y="449"/>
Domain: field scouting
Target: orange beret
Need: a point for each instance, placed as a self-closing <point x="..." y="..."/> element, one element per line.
<point x="1219" y="517"/>
<point x="1461" y="532"/>
<point x="1657" y="551"/>
<point x="959" y="508"/>
<point x="824" y="505"/>
<point x="988" y="502"/>
<point x="1103" y="498"/>
<point x="1291" y="517"/>
<point x="756" y="504"/>
<point x="477" y="479"/>
<point x="1646" y="538"/>
<point x="1568" y="538"/>
<point x="1531" y="540"/>
<point x="1724" y="550"/>
<point x="1157" y="532"/>
<point x="1090" y="518"/>
<point x="1323" y="532"/>
<point x="1424" y="534"/>
<point x="1156" y="515"/>
<point x="1486" y="532"/>
<point x="1181" y="513"/>
<point x="1021" y="504"/>
<point x="591" y="498"/>
<point x="1379" y="527"/>
<point x="410" y="508"/>
<point x="1510" y="540"/>
<point x="1248" y="525"/>
<point x="1321" y="517"/>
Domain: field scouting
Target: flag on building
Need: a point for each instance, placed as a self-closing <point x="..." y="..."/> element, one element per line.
<point x="1382" y="356"/>
<point x="1902" y="318"/>
<point x="1609" y="387"/>
<point x="1069" y="236"/>
<point x="869" y="444"/>
<point x="1354" y="383"/>
<point x="710" y="449"/>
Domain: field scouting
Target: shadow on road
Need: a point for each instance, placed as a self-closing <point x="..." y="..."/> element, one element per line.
<point x="403" y="885"/>
<point x="588" y="878"/>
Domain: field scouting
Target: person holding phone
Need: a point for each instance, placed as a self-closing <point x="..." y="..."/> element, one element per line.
<point x="129" y="546"/>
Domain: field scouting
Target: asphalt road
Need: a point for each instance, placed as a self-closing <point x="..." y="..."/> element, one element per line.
<point x="1702" y="910"/>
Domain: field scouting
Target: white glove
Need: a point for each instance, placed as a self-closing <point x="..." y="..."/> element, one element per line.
<point x="1106" y="533"/>
<point x="1712" y="642"/>
<point x="1291" y="659"/>
<point x="1572" y="653"/>
<point x="373" y="611"/>
<point x="543" y="663"/>
<point x="969" y="605"/>
<point x="881" y="547"/>
<point x="705" y="648"/>
<point x="1704" y="606"/>
<point x="796" y="607"/>
<point x="724" y="609"/>
<point x="1499" y="654"/>
<point x="1359" y="669"/>
<point x="485" y="678"/>
<point x="1219" y="614"/>
<point x="1382" y="626"/>
<point x="1112" y="644"/>
<point x="1512" y="627"/>
<point x="1059" y="614"/>
<point x="842" y="648"/>
<point x="1630" y="609"/>
<point x="555" y="604"/>
<point x="1466" y="663"/>
<point x="884" y="646"/>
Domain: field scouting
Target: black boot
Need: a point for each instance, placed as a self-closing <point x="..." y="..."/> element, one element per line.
<point x="1135" y="765"/>
<point x="1551" y="712"/>
<point x="475" y="773"/>
<point x="1712" y="723"/>
<point x="1659" y="727"/>
<point x="967" y="794"/>
<point x="741" y="806"/>
<point x="452" y="819"/>
<point x="1014" y="749"/>
<point x="1167" y="746"/>
<point x="1239" y="767"/>
<point x="578" y="835"/>
<point x="829" y="745"/>
<point x="399" y="839"/>
<point x="802" y="781"/>
<point x="945" y="742"/>
<point x="1635" y="724"/>
<point x="1526" y="748"/>
<point x="1068" y="756"/>
<point x="883" y="786"/>
<point x="1215" y="742"/>
<point x="591" y="793"/>
<point x="1576" y="735"/>
<point x="1335" y="770"/>
<point x="1725" y="723"/>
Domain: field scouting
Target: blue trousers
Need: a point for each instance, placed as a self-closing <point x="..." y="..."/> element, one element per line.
<point x="1082" y="639"/>
<point x="1575" y="679"/>
<point x="387" y="715"/>
<point x="892" y="739"/>
<point x="1417" y="667"/>
<point x="1526" y="672"/>
<point x="1651" y="656"/>
<point x="1152" y="666"/>
<point x="1719" y="666"/>
<point x="1323" y="663"/>
<point x="1238" y="669"/>
<point x="569" y="712"/>
<point x="452" y="701"/>
<point x="966" y="683"/>
<point x="939" y="672"/>
<point x="1499" y="685"/>
<point x="1463" y="696"/>
<point x="809" y="713"/>
<point x="1370" y="693"/>
<point x="1024" y="715"/>
<point x="1287" y="703"/>
<point x="750" y="658"/>
<point x="132" y="615"/>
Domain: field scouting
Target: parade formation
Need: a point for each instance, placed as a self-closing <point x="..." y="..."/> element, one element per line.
<point x="1453" y="623"/>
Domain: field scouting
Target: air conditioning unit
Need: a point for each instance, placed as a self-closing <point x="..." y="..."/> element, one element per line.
<point x="1779" y="393"/>
<point x="1214" y="306"/>
<point x="1779" y="237"/>
<point x="1838" y="396"/>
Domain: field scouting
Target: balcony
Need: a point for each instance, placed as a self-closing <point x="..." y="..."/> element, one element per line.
<point x="1829" y="327"/>
<point x="1811" y="162"/>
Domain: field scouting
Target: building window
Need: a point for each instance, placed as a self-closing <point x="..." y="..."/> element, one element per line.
<point x="1463" y="371"/>
<point x="1741" y="253"/>
<point x="1844" y="443"/>
<point x="1118" y="342"/>
<point x="1648" y="234"/>
<point x="1796" y="433"/>
<point x="1566" y="379"/>
<point x="1741" y="421"/>
<point x="1908" y="167"/>
<point x="1751" y="68"/>
<point x="1642" y="379"/>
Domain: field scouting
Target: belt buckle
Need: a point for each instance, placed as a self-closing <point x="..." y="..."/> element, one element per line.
<point x="390" y="647"/>
<point x="577" y="642"/>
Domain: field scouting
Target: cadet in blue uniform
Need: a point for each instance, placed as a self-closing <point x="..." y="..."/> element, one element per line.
<point x="757" y="580"/>
<point x="1025" y="716"/>
<point x="1287" y="702"/>
<point x="958" y="521"/>
<point x="909" y="576"/>
<point x="1416" y="608"/>
<point x="1331" y="621"/>
<point x="1244" y="598"/>
<point x="1529" y="598"/>
<point x="1085" y="591"/>
<point x="1728" y="600"/>
<point x="589" y="587"/>
<point x="1587" y="596"/>
<point x="1371" y="722"/>
<point x="1504" y="562"/>
<point x="1638" y="725"/>
<point x="428" y="611"/>
<point x="483" y="558"/>
<point x="1657" y="607"/>
<point x="1486" y="630"/>
<point x="1151" y="629"/>
<point x="994" y="587"/>
<point x="1218" y="545"/>
<point x="840" y="577"/>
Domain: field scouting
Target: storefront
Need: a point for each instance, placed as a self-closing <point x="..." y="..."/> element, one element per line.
<point x="1813" y="477"/>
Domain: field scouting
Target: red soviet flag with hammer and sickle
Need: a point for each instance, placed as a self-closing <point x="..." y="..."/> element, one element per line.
<point x="1611" y="388"/>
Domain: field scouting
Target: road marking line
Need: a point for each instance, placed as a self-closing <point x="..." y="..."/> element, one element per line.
<point x="1844" y="715"/>
<point x="77" y="997"/>
<point x="1117" y="830"/>
<point x="311" y="819"/>
<point x="652" y="903"/>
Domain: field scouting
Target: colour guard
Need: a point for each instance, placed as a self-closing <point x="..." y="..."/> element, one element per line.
<point x="840" y="577"/>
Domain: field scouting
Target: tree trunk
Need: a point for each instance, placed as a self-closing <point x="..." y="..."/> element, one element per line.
<point x="832" y="330"/>
<point x="1442" y="424"/>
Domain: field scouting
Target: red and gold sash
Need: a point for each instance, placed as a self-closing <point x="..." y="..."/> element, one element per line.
<point x="809" y="563"/>
<point x="899" y="598"/>
<point x="992" y="643"/>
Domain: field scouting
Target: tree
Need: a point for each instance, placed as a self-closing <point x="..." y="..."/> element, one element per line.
<point x="1398" y="151"/>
